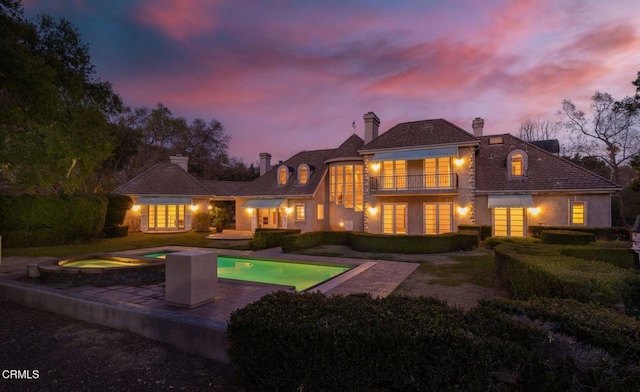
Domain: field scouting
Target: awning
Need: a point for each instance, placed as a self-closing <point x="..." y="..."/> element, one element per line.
<point x="510" y="201"/>
<point x="165" y="200"/>
<point x="416" y="154"/>
<point x="263" y="203"/>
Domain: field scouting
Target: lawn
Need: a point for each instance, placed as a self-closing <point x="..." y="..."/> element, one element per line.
<point x="132" y="241"/>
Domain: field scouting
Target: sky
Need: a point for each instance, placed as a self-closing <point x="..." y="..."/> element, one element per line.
<point x="284" y="76"/>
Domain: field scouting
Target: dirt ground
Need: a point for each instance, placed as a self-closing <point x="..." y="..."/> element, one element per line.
<point x="71" y="355"/>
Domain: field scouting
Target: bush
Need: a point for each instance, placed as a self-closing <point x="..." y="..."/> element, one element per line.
<point x="117" y="207"/>
<point x="601" y="233"/>
<point x="384" y="243"/>
<point x="201" y="222"/>
<point x="43" y="220"/>
<point x="116" y="231"/>
<point x="492" y="242"/>
<point x="622" y="258"/>
<point x="484" y="230"/>
<point x="292" y="243"/>
<point x="566" y="237"/>
<point x="270" y="238"/>
<point x="533" y="271"/>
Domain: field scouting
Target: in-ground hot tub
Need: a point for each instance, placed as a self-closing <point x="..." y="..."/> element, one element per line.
<point x="102" y="270"/>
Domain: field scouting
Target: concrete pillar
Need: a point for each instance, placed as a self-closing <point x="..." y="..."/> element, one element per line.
<point x="191" y="278"/>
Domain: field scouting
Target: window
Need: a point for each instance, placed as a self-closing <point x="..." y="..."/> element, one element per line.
<point x="578" y="213"/>
<point x="320" y="211"/>
<point x="438" y="217"/>
<point x="346" y="186"/>
<point x="394" y="175"/>
<point x="166" y="217"/>
<point x="303" y="174"/>
<point x="283" y="175"/>
<point x="394" y="218"/>
<point x="438" y="172"/>
<point x="517" y="163"/>
<point x="508" y="222"/>
<point x="299" y="212"/>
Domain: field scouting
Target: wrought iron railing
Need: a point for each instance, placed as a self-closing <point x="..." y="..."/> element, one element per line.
<point x="414" y="182"/>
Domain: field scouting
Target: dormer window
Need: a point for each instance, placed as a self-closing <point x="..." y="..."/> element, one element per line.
<point x="517" y="163"/>
<point x="283" y="175"/>
<point x="303" y="174"/>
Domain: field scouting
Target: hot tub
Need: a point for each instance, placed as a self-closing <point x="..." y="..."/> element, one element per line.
<point x="101" y="270"/>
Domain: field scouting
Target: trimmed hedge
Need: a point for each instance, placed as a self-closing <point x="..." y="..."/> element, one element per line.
<point x="294" y="242"/>
<point x="270" y="238"/>
<point x="117" y="206"/>
<point x="484" y="230"/>
<point x="528" y="271"/>
<point x="492" y="242"/>
<point x="566" y="237"/>
<point x="45" y="220"/>
<point x="385" y="243"/>
<point x="601" y="233"/>
<point x="622" y="258"/>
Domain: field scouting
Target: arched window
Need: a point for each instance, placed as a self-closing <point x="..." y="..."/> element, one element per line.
<point x="303" y="174"/>
<point x="283" y="175"/>
<point x="517" y="163"/>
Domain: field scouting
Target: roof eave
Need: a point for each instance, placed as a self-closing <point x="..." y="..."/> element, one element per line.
<point x="420" y="147"/>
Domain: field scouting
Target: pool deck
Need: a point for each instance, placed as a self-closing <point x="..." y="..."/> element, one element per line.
<point x="142" y="308"/>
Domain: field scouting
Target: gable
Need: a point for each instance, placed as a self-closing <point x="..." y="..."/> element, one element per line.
<point x="164" y="179"/>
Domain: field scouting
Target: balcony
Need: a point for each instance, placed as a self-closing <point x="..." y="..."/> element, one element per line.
<point x="414" y="184"/>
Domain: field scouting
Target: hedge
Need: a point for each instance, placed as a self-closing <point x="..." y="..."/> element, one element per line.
<point x="484" y="230"/>
<point x="117" y="207"/>
<point x="566" y="237"/>
<point x="44" y="220"/>
<point x="622" y="258"/>
<point x="529" y="271"/>
<point x="306" y="341"/>
<point x="601" y="233"/>
<point x="292" y="243"/>
<point x="270" y="238"/>
<point x="385" y="243"/>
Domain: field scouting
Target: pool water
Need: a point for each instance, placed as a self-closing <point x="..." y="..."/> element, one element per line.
<point x="158" y="255"/>
<point x="101" y="263"/>
<point x="300" y="275"/>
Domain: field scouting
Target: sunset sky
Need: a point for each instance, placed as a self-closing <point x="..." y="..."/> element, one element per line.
<point x="284" y="76"/>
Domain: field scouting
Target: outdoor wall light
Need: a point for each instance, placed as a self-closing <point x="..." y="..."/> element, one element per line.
<point x="288" y="210"/>
<point x="373" y="210"/>
<point x="249" y="210"/>
<point x="136" y="207"/>
<point x="459" y="161"/>
<point x="341" y="224"/>
<point x="193" y="207"/>
<point x="375" y="166"/>
<point x="534" y="210"/>
<point x="463" y="210"/>
<point x="210" y="207"/>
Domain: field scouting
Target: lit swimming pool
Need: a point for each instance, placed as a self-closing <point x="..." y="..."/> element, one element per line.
<point x="300" y="275"/>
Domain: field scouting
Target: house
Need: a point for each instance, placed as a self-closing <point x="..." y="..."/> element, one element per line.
<point x="166" y="197"/>
<point x="420" y="177"/>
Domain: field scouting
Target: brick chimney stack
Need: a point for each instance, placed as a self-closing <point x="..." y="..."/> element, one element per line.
<point x="265" y="163"/>
<point x="371" y="124"/>
<point x="181" y="161"/>
<point x="477" y="125"/>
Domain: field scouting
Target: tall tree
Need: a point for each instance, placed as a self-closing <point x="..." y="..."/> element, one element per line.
<point x="533" y="129"/>
<point x="54" y="126"/>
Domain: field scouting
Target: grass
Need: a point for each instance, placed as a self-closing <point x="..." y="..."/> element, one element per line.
<point x="132" y="241"/>
<point x="478" y="270"/>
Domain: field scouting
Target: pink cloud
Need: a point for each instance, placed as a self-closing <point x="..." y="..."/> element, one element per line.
<point x="180" y="19"/>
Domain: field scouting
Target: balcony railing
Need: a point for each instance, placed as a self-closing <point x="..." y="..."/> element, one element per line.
<point x="419" y="182"/>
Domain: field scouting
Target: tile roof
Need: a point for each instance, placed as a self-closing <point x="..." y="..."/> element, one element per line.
<point x="545" y="171"/>
<point x="348" y="149"/>
<point x="420" y="133"/>
<point x="224" y="188"/>
<point x="164" y="179"/>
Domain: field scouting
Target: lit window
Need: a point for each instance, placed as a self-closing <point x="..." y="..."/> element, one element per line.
<point x="438" y="172"/>
<point x="508" y="222"/>
<point x="577" y="213"/>
<point x="303" y="174"/>
<point x="517" y="163"/>
<point x="437" y="218"/>
<point x="320" y="211"/>
<point x="283" y="175"/>
<point x="299" y="212"/>
<point x="394" y="218"/>
<point x="346" y="186"/>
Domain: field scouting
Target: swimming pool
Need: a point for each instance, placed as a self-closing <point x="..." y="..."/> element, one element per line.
<point x="300" y="275"/>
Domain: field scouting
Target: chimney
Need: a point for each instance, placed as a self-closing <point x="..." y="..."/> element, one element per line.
<point x="181" y="161"/>
<point x="477" y="125"/>
<point x="371" y="124"/>
<point x="265" y="163"/>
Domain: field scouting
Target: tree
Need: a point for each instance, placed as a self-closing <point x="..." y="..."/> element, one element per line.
<point x="54" y="126"/>
<point x="533" y="129"/>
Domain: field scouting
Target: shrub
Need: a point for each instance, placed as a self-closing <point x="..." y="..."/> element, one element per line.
<point x="41" y="220"/>
<point x="384" y="243"/>
<point x="468" y="239"/>
<point x="566" y="237"/>
<point x="492" y="242"/>
<point x="270" y="238"/>
<point x="601" y="233"/>
<point x="622" y="258"/>
<point x="117" y="207"/>
<point x="201" y="222"/>
<point x="294" y="242"/>
<point x="116" y="231"/>
<point x="484" y="230"/>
